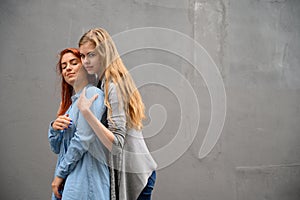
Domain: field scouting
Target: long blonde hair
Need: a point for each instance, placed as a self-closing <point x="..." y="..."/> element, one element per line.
<point x="116" y="72"/>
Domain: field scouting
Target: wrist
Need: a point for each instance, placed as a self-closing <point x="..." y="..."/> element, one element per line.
<point x="52" y="127"/>
<point x="85" y="111"/>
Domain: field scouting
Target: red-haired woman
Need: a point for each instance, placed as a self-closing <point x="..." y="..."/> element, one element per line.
<point x="81" y="171"/>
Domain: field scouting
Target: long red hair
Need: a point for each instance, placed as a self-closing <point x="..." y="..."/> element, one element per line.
<point x="66" y="89"/>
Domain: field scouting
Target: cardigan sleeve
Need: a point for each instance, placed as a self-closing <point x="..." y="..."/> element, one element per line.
<point x="117" y="124"/>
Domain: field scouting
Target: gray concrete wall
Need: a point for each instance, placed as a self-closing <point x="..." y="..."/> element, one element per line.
<point x="255" y="46"/>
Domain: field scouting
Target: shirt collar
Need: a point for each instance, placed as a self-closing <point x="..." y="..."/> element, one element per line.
<point x="75" y="96"/>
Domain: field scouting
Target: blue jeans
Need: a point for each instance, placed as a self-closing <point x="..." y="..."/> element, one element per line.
<point x="147" y="191"/>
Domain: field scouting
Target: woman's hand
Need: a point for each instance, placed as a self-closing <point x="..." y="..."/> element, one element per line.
<point x="57" y="185"/>
<point x="62" y="122"/>
<point x="84" y="103"/>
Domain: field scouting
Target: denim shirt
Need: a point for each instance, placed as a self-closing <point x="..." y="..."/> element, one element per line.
<point x="82" y="158"/>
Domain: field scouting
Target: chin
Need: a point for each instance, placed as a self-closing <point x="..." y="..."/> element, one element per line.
<point x="91" y="72"/>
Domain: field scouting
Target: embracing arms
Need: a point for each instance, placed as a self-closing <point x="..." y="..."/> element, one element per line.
<point x="113" y="136"/>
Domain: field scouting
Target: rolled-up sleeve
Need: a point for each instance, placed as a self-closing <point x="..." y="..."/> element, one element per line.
<point x="54" y="138"/>
<point x="83" y="137"/>
<point x="117" y="124"/>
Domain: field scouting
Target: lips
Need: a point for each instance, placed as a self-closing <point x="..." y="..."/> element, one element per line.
<point x="70" y="74"/>
<point x="89" y="68"/>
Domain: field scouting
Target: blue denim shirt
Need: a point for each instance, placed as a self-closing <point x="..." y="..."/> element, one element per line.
<point x="82" y="158"/>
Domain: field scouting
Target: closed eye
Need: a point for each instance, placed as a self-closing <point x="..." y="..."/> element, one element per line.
<point x="63" y="66"/>
<point x="74" y="62"/>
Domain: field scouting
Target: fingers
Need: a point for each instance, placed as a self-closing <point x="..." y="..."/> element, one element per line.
<point x="62" y="122"/>
<point x="55" y="190"/>
<point x="57" y="185"/>
<point x="84" y="103"/>
<point x="65" y="118"/>
<point x="94" y="98"/>
<point x="83" y="96"/>
<point x="60" y="126"/>
<point x="83" y="92"/>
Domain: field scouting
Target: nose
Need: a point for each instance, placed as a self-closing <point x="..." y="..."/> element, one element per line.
<point x="68" y="68"/>
<point x="85" y="60"/>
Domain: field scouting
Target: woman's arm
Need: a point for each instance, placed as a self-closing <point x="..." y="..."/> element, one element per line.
<point x="104" y="135"/>
<point x="55" y="132"/>
<point x="113" y="136"/>
<point x="54" y="138"/>
<point x="82" y="139"/>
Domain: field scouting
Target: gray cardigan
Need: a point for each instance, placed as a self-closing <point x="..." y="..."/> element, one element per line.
<point x="131" y="163"/>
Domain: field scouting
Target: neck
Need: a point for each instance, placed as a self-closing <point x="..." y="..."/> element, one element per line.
<point x="101" y="74"/>
<point x="79" y="86"/>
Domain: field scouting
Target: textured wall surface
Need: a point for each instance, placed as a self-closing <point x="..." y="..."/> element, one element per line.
<point x="255" y="45"/>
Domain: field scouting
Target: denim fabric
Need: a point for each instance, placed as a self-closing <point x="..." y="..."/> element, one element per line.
<point x="147" y="191"/>
<point x="82" y="157"/>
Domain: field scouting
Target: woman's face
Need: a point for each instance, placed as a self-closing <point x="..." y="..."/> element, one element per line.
<point x="91" y="58"/>
<point x="70" y="66"/>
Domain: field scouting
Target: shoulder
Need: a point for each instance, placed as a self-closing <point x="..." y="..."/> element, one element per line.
<point x="92" y="90"/>
<point x="112" y="91"/>
<point x="113" y="87"/>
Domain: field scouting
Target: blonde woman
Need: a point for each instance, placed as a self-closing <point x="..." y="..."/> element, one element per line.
<point x="132" y="169"/>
